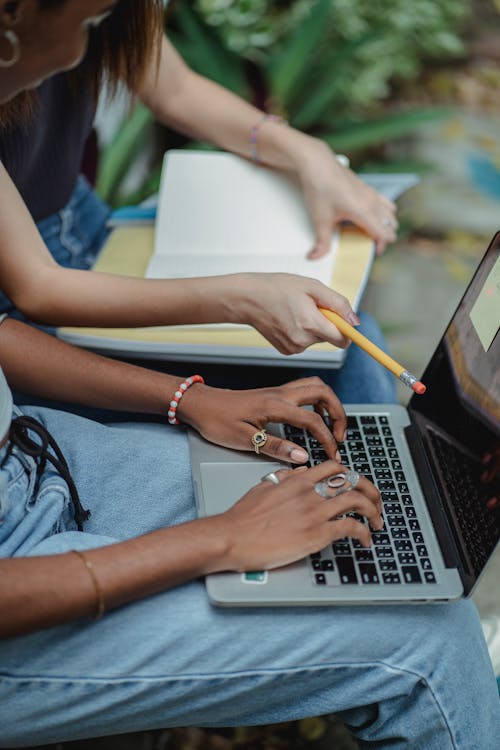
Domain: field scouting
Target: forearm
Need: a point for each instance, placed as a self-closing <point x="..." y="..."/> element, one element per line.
<point x="30" y="598"/>
<point x="62" y="296"/>
<point x="37" y="363"/>
<point x="200" y="108"/>
<point x="49" y="294"/>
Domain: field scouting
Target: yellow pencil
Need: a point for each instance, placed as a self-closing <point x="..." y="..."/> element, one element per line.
<point x="398" y="370"/>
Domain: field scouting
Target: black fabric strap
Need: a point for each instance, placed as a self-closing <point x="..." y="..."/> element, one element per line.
<point x="40" y="452"/>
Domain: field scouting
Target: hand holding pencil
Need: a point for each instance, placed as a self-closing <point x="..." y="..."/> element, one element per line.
<point x="398" y="370"/>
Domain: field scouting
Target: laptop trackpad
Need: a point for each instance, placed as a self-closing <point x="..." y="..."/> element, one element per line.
<point x="222" y="484"/>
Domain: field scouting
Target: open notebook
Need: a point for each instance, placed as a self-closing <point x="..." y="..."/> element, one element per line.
<point x="220" y="214"/>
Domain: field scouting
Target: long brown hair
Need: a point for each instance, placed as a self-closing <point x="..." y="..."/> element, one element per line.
<point x="120" y="49"/>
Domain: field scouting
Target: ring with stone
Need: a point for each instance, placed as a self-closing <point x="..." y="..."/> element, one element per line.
<point x="259" y="439"/>
<point x="337" y="484"/>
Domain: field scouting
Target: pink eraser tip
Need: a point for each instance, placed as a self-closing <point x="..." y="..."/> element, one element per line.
<point x="419" y="387"/>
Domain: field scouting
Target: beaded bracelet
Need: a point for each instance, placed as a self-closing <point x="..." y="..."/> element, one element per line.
<point x="254" y="131"/>
<point x="100" y="604"/>
<point x="172" y="412"/>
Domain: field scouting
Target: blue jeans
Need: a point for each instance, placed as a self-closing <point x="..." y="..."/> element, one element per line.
<point x="75" y="236"/>
<point x="403" y="677"/>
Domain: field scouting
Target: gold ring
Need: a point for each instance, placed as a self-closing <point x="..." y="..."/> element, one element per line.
<point x="259" y="439"/>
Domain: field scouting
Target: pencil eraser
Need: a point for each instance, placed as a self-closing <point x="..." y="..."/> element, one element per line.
<point x="419" y="388"/>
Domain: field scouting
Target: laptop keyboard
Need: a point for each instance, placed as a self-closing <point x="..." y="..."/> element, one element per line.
<point x="398" y="553"/>
<point x="479" y="527"/>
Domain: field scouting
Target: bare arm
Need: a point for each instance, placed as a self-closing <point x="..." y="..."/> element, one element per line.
<point x="200" y="108"/>
<point x="37" y="363"/>
<point x="271" y="526"/>
<point x="281" y="306"/>
<point x="50" y="294"/>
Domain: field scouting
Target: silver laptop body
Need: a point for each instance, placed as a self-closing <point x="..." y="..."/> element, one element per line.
<point x="427" y="463"/>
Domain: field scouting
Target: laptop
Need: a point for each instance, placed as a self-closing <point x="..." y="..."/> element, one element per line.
<point x="427" y="461"/>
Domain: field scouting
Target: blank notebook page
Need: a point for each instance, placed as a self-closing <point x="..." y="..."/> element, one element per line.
<point x="220" y="214"/>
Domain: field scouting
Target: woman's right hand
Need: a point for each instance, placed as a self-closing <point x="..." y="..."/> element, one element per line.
<point x="276" y="524"/>
<point x="284" y="309"/>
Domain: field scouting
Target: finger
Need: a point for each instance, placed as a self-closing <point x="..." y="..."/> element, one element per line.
<point x="276" y="447"/>
<point x="354" y="501"/>
<point x="381" y="224"/>
<point x="321" y="471"/>
<point x="348" y="526"/>
<point x="314" y="392"/>
<point x="323" y="231"/>
<point x="308" y="420"/>
<point x="324" y="296"/>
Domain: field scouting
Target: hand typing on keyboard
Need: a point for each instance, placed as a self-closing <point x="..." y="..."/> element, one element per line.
<point x="276" y="524"/>
<point x="231" y="418"/>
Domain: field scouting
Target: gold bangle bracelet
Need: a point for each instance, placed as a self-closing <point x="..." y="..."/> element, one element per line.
<point x="100" y="606"/>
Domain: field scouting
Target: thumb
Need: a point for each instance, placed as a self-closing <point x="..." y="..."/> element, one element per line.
<point x="332" y="300"/>
<point x="323" y="232"/>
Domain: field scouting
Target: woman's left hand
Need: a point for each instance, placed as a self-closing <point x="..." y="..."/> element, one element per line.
<point x="333" y="194"/>
<point x="230" y="418"/>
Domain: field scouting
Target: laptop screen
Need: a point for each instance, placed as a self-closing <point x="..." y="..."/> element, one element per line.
<point x="459" y="415"/>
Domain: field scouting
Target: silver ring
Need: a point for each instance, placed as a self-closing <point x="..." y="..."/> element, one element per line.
<point x="387" y="222"/>
<point x="271" y="477"/>
<point x="337" y="484"/>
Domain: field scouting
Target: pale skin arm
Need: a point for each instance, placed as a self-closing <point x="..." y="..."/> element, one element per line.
<point x="281" y="306"/>
<point x="198" y="107"/>
<point x="270" y="526"/>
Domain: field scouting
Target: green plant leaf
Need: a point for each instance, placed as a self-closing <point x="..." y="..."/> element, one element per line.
<point x="310" y="103"/>
<point x="293" y="62"/>
<point x="362" y="134"/>
<point x="204" y="52"/>
<point x="117" y="156"/>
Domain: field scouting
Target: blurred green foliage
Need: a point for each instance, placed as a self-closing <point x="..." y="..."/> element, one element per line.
<point x="327" y="66"/>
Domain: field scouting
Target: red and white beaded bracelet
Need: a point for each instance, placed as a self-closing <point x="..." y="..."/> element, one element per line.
<point x="172" y="412"/>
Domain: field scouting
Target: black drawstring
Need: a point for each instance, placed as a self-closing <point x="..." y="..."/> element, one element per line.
<point x="19" y="437"/>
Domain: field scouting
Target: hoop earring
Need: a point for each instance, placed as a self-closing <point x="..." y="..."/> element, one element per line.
<point x="13" y="39"/>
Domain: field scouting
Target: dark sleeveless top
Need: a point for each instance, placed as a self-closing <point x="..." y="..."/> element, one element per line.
<point x="43" y="157"/>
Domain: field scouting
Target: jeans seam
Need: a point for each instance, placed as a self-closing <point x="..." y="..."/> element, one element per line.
<point x="235" y="675"/>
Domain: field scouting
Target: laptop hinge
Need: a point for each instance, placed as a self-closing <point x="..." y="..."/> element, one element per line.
<point x="434" y="502"/>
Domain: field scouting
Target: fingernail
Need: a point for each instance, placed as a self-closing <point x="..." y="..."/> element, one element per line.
<point x="492" y="503"/>
<point x="338" y="457"/>
<point x="297" y="454"/>
<point x="314" y="252"/>
<point x="353" y="318"/>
